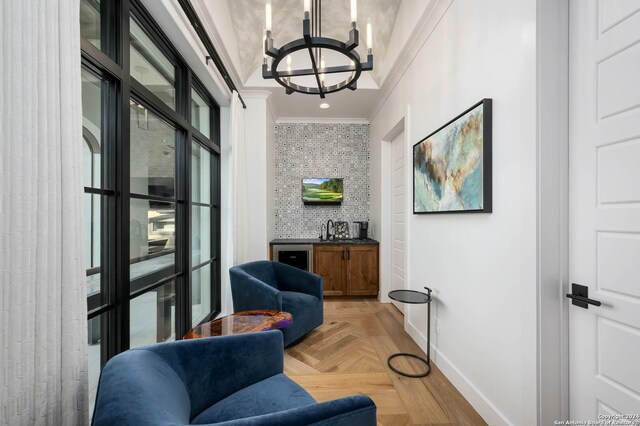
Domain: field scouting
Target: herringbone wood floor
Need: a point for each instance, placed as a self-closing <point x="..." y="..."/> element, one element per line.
<point x="348" y="355"/>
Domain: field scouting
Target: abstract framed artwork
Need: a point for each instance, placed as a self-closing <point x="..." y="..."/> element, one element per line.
<point x="452" y="166"/>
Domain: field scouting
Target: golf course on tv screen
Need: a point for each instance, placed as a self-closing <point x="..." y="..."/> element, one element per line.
<point x="322" y="190"/>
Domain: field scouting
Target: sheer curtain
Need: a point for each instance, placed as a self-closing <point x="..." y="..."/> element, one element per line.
<point x="43" y="318"/>
<point x="240" y="176"/>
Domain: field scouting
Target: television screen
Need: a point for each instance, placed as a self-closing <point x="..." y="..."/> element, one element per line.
<point x="322" y="190"/>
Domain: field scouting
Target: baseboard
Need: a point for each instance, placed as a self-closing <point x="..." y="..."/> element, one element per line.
<point x="487" y="410"/>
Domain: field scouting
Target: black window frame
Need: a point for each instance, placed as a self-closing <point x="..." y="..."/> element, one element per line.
<point x="112" y="65"/>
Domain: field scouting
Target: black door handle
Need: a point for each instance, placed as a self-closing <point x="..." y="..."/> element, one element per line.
<point x="580" y="296"/>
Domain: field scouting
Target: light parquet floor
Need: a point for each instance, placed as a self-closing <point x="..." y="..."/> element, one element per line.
<point x="348" y="355"/>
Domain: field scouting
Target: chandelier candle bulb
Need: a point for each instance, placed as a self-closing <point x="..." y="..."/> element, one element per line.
<point x="369" y="37"/>
<point x="268" y="15"/>
<point x="354" y="11"/>
<point x="307" y="9"/>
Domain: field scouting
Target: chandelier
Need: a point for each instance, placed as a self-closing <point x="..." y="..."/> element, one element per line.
<point x="314" y="43"/>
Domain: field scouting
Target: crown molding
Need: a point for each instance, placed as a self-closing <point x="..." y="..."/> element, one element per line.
<point x="420" y="34"/>
<point x="327" y="120"/>
<point x="255" y="94"/>
<point x="260" y="94"/>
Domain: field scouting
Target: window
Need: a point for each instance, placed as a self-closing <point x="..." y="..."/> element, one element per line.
<point x="98" y="26"/>
<point x="151" y="164"/>
<point x="98" y="196"/>
<point x="204" y="213"/>
<point x="90" y="21"/>
<point x="150" y="66"/>
<point x="200" y="113"/>
<point x="152" y="216"/>
<point x="92" y="100"/>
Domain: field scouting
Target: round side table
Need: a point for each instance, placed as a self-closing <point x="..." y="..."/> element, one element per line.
<point x="242" y="322"/>
<point x="414" y="297"/>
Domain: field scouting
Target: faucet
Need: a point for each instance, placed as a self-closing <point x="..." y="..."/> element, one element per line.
<point x="329" y="232"/>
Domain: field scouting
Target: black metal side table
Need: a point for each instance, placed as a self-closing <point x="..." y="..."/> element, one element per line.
<point x="414" y="297"/>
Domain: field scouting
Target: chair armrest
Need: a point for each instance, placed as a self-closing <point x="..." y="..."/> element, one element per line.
<point x="350" y="411"/>
<point x="294" y="279"/>
<point x="250" y="293"/>
<point x="215" y="367"/>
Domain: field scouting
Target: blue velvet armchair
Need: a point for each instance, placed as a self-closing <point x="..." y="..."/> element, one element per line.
<point x="230" y="381"/>
<point x="271" y="285"/>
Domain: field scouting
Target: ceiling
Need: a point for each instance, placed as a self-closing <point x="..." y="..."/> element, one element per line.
<point x="344" y="105"/>
<point x="248" y="19"/>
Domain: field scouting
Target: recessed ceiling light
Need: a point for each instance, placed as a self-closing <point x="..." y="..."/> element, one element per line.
<point x="324" y="105"/>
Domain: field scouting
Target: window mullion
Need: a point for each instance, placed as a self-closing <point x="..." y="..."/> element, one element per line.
<point x="121" y="323"/>
<point x="184" y="289"/>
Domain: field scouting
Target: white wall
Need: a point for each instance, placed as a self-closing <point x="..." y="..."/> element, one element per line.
<point x="259" y="140"/>
<point x="482" y="267"/>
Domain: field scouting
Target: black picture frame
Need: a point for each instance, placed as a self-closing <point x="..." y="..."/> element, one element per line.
<point x="487" y="118"/>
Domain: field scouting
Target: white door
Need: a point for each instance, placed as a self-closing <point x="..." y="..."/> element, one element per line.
<point x="604" y="182"/>
<point x="397" y="216"/>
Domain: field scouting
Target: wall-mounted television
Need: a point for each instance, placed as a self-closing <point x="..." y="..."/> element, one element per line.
<point x="322" y="190"/>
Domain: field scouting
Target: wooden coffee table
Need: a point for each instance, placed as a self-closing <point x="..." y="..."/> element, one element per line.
<point x="242" y="322"/>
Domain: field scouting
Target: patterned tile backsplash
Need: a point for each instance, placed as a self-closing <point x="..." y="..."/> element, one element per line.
<point x="317" y="150"/>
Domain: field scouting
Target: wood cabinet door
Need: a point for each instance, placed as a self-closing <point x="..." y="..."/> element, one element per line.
<point x="328" y="261"/>
<point x="362" y="270"/>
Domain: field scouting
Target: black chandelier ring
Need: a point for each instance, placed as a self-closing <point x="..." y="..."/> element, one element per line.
<point x="283" y="77"/>
<point x="312" y="40"/>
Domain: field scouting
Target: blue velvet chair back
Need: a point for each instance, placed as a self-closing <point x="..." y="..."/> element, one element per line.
<point x="188" y="357"/>
<point x="141" y="376"/>
<point x="172" y="383"/>
<point x="262" y="270"/>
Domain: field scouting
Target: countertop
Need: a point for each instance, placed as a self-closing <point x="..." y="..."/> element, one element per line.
<point x="295" y="241"/>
